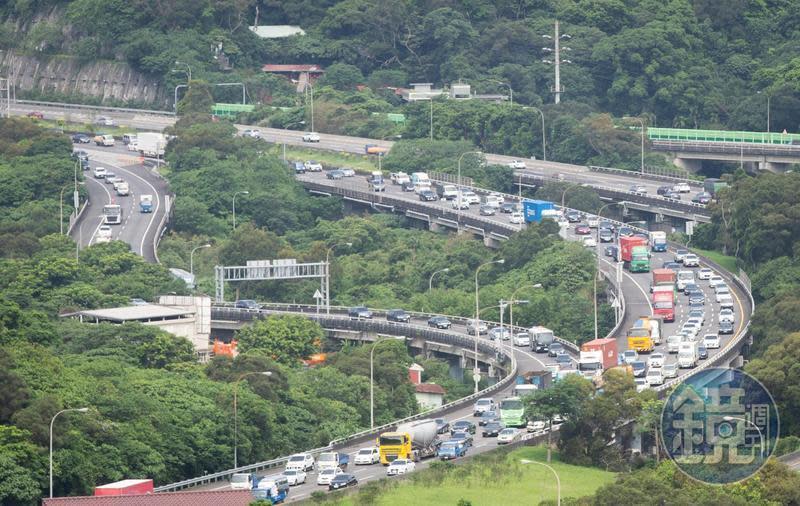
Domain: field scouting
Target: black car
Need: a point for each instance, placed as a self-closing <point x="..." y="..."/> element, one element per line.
<point x="439" y="322"/>
<point x="442" y="426"/>
<point x="492" y="429"/>
<point x="398" y="315"/>
<point x="625" y="232"/>
<point x="408" y="186"/>
<point x="697" y="298"/>
<point x="462" y="425"/>
<point x="702" y="198"/>
<point x="343" y="481"/>
<point x="671" y="265"/>
<point x="247" y="304"/>
<point x="538" y="347"/>
<point x="702" y="352"/>
<point x="80" y="154"/>
<point x="428" y="196"/>
<point x="359" y="312"/>
<point x="554" y="349"/>
<point x="688" y="288"/>
<point x="299" y="168"/>
<point x="507" y="207"/>
<point x="611" y="251"/>
<point x="725" y="327"/>
<point x="664" y="189"/>
<point x="607" y="225"/>
<point x="81" y="139"/>
<point x="574" y="216"/>
<point x="488" y="416"/>
<point x="335" y="174"/>
<point x="672" y="195"/>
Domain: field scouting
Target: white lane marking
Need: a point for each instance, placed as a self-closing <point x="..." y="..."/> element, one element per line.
<point x="102" y="218"/>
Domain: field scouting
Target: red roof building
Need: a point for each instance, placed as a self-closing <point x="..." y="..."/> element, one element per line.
<point x="209" y="498"/>
<point x="429" y="395"/>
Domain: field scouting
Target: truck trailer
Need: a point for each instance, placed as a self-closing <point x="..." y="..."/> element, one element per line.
<point x="537" y="210"/>
<point x="412" y="440"/>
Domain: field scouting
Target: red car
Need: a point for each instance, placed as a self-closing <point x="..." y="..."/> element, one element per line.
<point x="583" y="230"/>
<point x="36" y="115"/>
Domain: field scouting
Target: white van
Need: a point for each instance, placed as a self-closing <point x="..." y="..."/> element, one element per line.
<point x="673" y="343"/>
<point x="684" y="278"/>
<point x="104" y="140"/>
<point x="492" y="200"/>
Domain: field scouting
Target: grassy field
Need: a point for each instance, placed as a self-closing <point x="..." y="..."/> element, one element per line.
<point x="360" y="163"/>
<point x="487" y="481"/>
<point x="728" y="262"/>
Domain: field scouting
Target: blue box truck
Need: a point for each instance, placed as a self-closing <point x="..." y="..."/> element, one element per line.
<point x="537" y="210"/>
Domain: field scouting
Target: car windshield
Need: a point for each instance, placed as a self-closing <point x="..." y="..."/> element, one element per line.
<point x="297" y="458"/>
<point x="638" y="365"/>
<point x="290" y="472"/>
<point x="240" y="478"/>
<point x="484" y="402"/>
<point x="366" y="451"/>
<point x="327" y="457"/>
<point x="327" y="471"/>
<point x="391" y="440"/>
<point x="507" y="431"/>
<point x="511" y="404"/>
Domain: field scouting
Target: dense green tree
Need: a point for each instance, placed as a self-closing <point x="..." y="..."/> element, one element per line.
<point x="287" y="339"/>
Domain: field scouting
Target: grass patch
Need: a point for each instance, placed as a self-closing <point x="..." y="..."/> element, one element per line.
<point x="728" y="262"/>
<point x="490" y="479"/>
<point x="329" y="159"/>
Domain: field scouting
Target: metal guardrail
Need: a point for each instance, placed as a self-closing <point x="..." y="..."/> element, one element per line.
<point x="645" y="175"/>
<point x="97" y="108"/>
<point x="383" y="327"/>
<point x="729" y="148"/>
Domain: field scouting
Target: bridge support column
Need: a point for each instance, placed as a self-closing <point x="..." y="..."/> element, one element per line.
<point x="776" y="167"/>
<point x="737" y="361"/>
<point x="435" y="227"/>
<point x="690" y="164"/>
<point x="491" y="242"/>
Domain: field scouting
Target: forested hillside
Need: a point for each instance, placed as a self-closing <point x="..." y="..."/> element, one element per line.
<point x="676" y="63"/>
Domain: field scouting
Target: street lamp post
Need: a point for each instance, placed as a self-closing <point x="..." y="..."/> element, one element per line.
<point x="61" y="203"/>
<point x="544" y="139"/>
<point x="515" y="301"/>
<point x="558" y="481"/>
<point x="600" y="215"/>
<point x="191" y="257"/>
<point x="52" y="421"/>
<point x="510" y="92"/>
<point x="768" y="108"/>
<point x="328" y="274"/>
<point x="430" y="281"/>
<point x="476" y="372"/>
<point x="460" y="188"/>
<point x="311" y="87"/>
<point x="372" y="379"/>
<point x="745" y="420"/>
<point x="243" y="192"/>
<point x="188" y="72"/>
<point x="235" y="413"/>
<point x="641" y="121"/>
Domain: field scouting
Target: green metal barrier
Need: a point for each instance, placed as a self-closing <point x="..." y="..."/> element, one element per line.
<point x="683" y="134"/>
<point x="230" y="110"/>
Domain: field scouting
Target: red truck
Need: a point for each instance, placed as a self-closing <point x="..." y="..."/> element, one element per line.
<point x="626" y="245"/>
<point x="125" y="487"/>
<point x="664" y="304"/>
<point x="663" y="277"/>
<point x="607" y="348"/>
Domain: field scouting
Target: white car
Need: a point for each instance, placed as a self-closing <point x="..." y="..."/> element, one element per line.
<point x="470" y="197"/>
<point x="517" y="218"/>
<point x="252" y="132"/>
<point x="522" y="339"/>
<point x="460" y="203"/>
<point x="641" y="384"/>
<point x="726" y="315"/>
<point x="695" y="321"/>
<point x="692" y="328"/>
<point x="654" y="377"/>
<point x="508" y="435"/>
<point x="589" y="241"/>
<point x="516" y="164"/>
<point x="670" y="370"/>
<point x="705" y="273"/>
<point x="104" y="120"/>
<point x="682" y="188"/>
<point x="536" y="426"/>
<point x="310" y="137"/>
<point x="691" y="260"/>
<point x="593" y="222"/>
<point x="99" y="172"/>
<point x="346" y="172"/>
<point x="485" y="404"/>
<point x="312" y="166"/>
<point x="326" y="475"/>
<point x="242" y="481"/>
<point x="713" y="281"/>
<point x="301" y="461"/>
<point x="711" y="341"/>
<point x="655" y="361"/>
<point x="367" y="456"/>
<point x="722" y="289"/>
<point x="295" y="476"/>
<point x="400" y="466"/>
<point x="630" y="356"/>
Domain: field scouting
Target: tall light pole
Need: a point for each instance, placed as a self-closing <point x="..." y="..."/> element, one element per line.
<point x="641" y="121"/>
<point x="328" y="274"/>
<point x="766" y="92"/>
<point x="79" y="410"/>
<point x="544" y="139"/>
<point x="557" y="89"/>
<point x="558" y="481"/>
<point x="431" y="99"/>
<point x="61" y="209"/>
<point x="311" y="87"/>
<point x="372" y="380"/>
<point x="188" y="70"/>
<point x="476" y="372"/>
<point x="191" y="257"/>
<point x="430" y="281"/>
<point x="745" y="420"/>
<point x="510" y="91"/>
<point x="600" y="215"/>
<point x="235" y="413"/>
<point x="460" y="188"/>
<point x="243" y="192"/>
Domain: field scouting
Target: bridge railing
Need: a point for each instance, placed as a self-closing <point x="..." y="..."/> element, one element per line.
<point x="645" y="175"/>
<point x="384" y="327"/>
<point x="728" y="147"/>
<point x="98" y="108"/>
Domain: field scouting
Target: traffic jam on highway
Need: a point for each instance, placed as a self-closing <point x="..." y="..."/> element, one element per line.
<point x="487" y="423"/>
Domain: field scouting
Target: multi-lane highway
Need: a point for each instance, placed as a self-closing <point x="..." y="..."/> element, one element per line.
<point x="139" y="230"/>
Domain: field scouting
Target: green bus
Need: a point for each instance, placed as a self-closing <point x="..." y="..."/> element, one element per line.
<point x="512" y="412"/>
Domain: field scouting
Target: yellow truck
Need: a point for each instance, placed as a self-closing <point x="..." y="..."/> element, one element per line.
<point x="413" y="440"/>
<point x="640" y="336"/>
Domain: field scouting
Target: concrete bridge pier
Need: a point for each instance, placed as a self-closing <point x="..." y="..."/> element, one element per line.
<point x="435" y="227"/>
<point x="690" y="164"/>
<point x="776" y="167"/>
<point x="491" y="242"/>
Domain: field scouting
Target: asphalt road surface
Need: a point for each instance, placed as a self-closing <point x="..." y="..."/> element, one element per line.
<point x="139" y="230"/>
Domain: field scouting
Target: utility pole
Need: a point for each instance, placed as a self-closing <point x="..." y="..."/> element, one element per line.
<point x="557" y="88"/>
